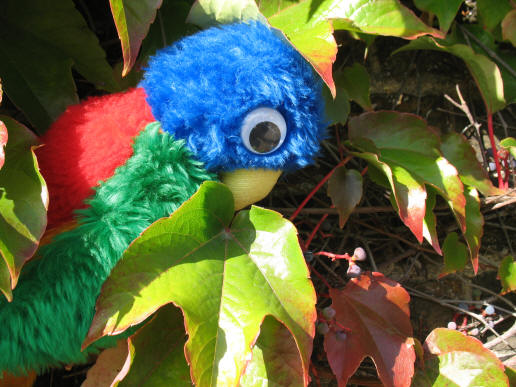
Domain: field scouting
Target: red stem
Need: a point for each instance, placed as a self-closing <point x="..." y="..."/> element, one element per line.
<point x="317" y="188"/>
<point x="507" y="173"/>
<point x="314" y="231"/>
<point x="320" y="277"/>
<point x="334" y="256"/>
<point x="495" y="150"/>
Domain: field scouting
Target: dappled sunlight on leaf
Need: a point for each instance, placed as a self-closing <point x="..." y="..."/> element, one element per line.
<point x="233" y="267"/>
<point x="454" y="359"/>
<point x="132" y="20"/>
<point x="23" y="203"/>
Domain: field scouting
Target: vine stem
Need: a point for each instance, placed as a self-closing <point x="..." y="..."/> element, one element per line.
<point x="490" y="131"/>
<point x="318" y="187"/>
<point x="321" y="277"/>
<point x="314" y="231"/>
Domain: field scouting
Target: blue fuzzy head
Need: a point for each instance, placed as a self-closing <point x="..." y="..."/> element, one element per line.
<point x="202" y="87"/>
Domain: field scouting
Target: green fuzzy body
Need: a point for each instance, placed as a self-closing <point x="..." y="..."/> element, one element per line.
<point x="54" y="302"/>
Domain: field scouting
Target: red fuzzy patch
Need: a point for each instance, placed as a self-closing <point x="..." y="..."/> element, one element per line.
<point x="85" y="146"/>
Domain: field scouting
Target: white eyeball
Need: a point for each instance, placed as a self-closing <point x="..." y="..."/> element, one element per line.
<point x="263" y="130"/>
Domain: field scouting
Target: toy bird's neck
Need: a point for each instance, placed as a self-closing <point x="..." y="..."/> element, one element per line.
<point x="63" y="284"/>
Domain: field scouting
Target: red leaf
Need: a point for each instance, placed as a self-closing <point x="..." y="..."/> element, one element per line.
<point x="376" y="312"/>
<point x="3" y="142"/>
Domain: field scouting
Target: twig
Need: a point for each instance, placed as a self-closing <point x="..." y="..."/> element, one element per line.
<point x="391" y="235"/>
<point x="317" y="187"/>
<point x="478" y="317"/>
<point x="329" y="270"/>
<point x="314" y="231"/>
<point x="333" y="211"/>
<point x="369" y="253"/>
<point x="510" y="332"/>
<point x="463" y="106"/>
<point x="504" y="229"/>
<point x="489" y="52"/>
<point x="504" y="124"/>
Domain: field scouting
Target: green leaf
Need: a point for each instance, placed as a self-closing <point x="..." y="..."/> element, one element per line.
<point x="507" y="274"/>
<point x="407" y="145"/>
<point x="509" y="27"/>
<point x="429" y="222"/>
<point x="132" y="20"/>
<point x="314" y="40"/>
<point x="459" y="152"/>
<point x="456" y="360"/>
<point x="488" y="41"/>
<point x="23" y="202"/>
<point x="336" y="109"/>
<point x="455" y="254"/>
<point x="345" y="191"/>
<point x="271" y="7"/>
<point x="474" y="225"/>
<point x="309" y="26"/>
<point x="39" y="43"/>
<point x="509" y="143"/>
<point x="207" y="13"/>
<point x="356" y="83"/>
<point x="170" y="25"/>
<point x="511" y="375"/>
<point x="485" y="72"/>
<point x="381" y="17"/>
<point x="157" y="352"/>
<point x="444" y="10"/>
<point x="491" y="12"/>
<point x="225" y="275"/>
<point x="409" y="193"/>
<point x="274" y="361"/>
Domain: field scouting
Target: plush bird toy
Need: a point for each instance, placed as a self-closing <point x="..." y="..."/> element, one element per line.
<point x="235" y="101"/>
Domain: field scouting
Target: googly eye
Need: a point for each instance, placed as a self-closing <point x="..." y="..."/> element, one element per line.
<point x="263" y="130"/>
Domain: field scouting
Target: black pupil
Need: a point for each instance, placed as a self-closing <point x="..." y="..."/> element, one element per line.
<point x="265" y="136"/>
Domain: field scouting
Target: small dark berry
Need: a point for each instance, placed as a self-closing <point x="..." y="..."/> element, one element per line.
<point x="323" y="328"/>
<point x="309" y="256"/>
<point x="328" y="313"/>
<point x="341" y="335"/>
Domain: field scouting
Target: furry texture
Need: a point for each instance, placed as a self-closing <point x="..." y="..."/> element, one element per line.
<point x="201" y="88"/>
<point x="54" y="301"/>
<point x="86" y="144"/>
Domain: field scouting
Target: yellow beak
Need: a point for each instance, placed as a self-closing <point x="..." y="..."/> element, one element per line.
<point x="250" y="185"/>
